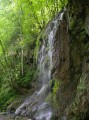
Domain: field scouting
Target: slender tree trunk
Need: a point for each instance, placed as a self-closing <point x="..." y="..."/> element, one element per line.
<point x="21" y="38"/>
<point x="22" y="58"/>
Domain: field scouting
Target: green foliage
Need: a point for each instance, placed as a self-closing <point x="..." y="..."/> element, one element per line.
<point x="36" y="51"/>
<point x="55" y="84"/>
<point x="21" y="26"/>
<point x="55" y="89"/>
<point x="5" y="94"/>
<point x="79" y="108"/>
<point x="82" y="83"/>
<point x="28" y="77"/>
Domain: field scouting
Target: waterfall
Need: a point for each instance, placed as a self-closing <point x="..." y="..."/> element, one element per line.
<point x="36" y="105"/>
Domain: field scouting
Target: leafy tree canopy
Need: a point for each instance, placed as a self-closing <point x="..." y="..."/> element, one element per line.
<point x="21" y="22"/>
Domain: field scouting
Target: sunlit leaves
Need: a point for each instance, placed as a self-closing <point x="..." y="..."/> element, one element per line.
<point x="21" y="23"/>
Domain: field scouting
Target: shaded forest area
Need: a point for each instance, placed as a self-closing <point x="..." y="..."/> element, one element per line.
<point x="21" y="24"/>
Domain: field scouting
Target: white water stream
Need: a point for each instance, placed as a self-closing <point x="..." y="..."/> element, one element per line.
<point x="35" y="104"/>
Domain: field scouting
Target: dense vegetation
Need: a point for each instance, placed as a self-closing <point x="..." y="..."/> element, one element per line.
<point x="21" y="23"/>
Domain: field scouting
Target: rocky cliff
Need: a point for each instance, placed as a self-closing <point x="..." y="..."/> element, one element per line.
<point x="71" y="62"/>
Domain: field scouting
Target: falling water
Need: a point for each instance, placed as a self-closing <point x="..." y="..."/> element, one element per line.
<point x="35" y="104"/>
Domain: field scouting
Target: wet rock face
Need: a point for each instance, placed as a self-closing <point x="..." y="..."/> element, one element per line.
<point x="70" y="60"/>
<point x="61" y="50"/>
